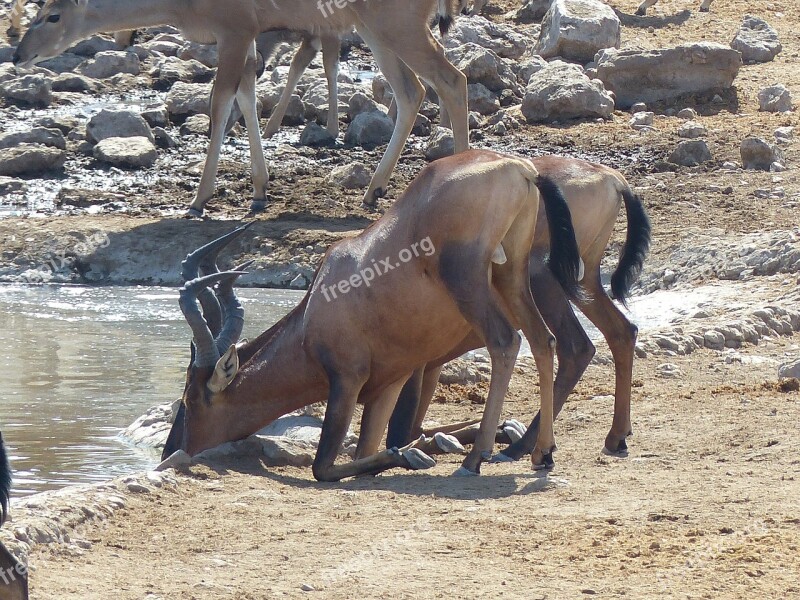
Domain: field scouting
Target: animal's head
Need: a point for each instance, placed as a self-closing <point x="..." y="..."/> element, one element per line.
<point x="58" y="25"/>
<point x="216" y="318"/>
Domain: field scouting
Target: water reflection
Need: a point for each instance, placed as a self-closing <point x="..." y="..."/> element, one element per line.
<point x="80" y="363"/>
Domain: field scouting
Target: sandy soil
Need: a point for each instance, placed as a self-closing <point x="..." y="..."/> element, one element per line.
<point x="706" y="506"/>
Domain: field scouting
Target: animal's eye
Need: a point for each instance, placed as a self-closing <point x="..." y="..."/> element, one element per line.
<point x="53" y="18"/>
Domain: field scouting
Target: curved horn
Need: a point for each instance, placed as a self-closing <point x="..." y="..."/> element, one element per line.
<point x="203" y="261"/>
<point x="207" y="354"/>
<point x="234" y="311"/>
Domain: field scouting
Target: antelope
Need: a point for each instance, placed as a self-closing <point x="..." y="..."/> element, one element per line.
<point x="594" y="194"/>
<point x="705" y="6"/>
<point x="13" y="575"/>
<point x="395" y="30"/>
<point x="448" y="257"/>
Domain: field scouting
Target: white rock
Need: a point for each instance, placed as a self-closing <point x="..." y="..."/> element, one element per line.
<point x="775" y="98"/>
<point x="561" y="91"/>
<point x="577" y="30"/>
<point x="756" y="40"/>
<point x="692" y="130"/>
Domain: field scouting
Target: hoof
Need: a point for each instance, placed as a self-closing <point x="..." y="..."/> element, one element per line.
<point x="193" y="213"/>
<point x="464" y="472"/>
<point x="620" y="451"/>
<point x="417" y="459"/>
<point x="705" y="9"/>
<point x="547" y="463"/>
<point x="258" y="206"/>
<point x="447" y="443"/>
<point x="514" y="430"/>
<point x="501" y="458"/>
<point x="641" y="13"/>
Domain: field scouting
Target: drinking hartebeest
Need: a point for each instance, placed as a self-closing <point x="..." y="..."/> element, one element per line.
<point x="449" y="256"/>
<point x="13" y="575"/>
<point x="594" y="194"/>
<point x="397" y="32"/>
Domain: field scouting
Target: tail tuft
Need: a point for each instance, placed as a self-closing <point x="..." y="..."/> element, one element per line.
<point x="637" y="244"/>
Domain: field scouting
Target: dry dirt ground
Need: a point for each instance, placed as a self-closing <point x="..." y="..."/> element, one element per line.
<point x="706" y="506"/>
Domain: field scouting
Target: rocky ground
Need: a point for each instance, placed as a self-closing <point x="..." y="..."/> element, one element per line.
<point x="706" y="504"/>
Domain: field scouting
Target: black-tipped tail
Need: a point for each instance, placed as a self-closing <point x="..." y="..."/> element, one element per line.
<point x="637" y="244"/>
<point x="445" y="15"/>
<point x="564" y="260"/>
<point x="5" y="481"/>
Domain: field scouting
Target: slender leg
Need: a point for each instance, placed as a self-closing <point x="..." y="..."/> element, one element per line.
<point x="302" y="58"/>
<point x="246" y="97"/>
<point x="408" y="93"/>
<point x="574" y="349"/>
<point x="331" y="46"/>
<point x="620" y="334"/>
<point x="425" y="56"/>
<point x="542" y="344"/>
<point x="232" y="58"/>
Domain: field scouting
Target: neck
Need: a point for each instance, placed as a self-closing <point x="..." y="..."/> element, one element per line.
<point x="118" y="15"/>
<point x="279" y="376"/>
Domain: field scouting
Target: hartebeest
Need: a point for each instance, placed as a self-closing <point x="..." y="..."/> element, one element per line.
<point x="13" y="575"/>
<point x="594" y="194"/>
<point x="448" y="257"/>
<point x="397" y="32"/>
<point x="705" y="6"/>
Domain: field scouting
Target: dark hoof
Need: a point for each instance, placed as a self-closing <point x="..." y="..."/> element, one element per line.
<point x="705" y="10"/>
<point x="547" y="463"/>
<point x="370" y="207"/>
<point x="620" y="451"/>
<point x="258" y="206"/>
<point x="193" y="213"/>
<point x="641" y="13"/>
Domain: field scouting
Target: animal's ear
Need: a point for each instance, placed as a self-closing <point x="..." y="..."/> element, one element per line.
<point x="225" y="371"/>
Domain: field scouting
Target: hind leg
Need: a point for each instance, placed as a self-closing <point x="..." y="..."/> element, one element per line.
<point x="620" y="334"/>
<point x="574" y="349"/>
<point x="302" y="58"/>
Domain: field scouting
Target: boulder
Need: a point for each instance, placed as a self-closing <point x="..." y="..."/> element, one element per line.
<point x="481" y="99"/>
<point x="63" y="63"/>
<point x="577" y="30"/>
<point x="117" y="123"/>
<point x="37" y="135"/>
<point x="170" y="70"/>
<point x="30" y="159"/>
<point x="315" y="135"/>
<point x="440" y="144"/>
<point x="790" y="369"/>
<point x="369" y="130"/>
<point x="202" y="53"/>
<point x="775" y="98"/>
<point x="186" y="99"/>
<point x="352" y="176"/>
<point x="756" y="40"/>
<point x="501" y="39"/>
<point x="108" y="64"/>
<point x="93" y="45"/>
<point x="561" y="91"/>
<point x="481" y="65"/>
<point x="692" y="130"/>
<point x="126" y="152"/>
<point x="33" y="90"/>
<point x="360" y="103"/>
<point x="654" y="75"/>
<point x="758" y="154"/>
<point x="690" y="153"/>
<point x="532" y="11"/>
<point x="528" y="66"/>
<point x="196" y="125"/>
<point x="72" y="82"/>
<point x="642" y="120"/>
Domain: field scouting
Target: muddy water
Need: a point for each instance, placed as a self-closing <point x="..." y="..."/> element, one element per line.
<point x="81" y="363"/>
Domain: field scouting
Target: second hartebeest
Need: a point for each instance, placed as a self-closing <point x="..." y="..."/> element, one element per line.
<point x="449" y="257"/>
<point x="594" y="194"/>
